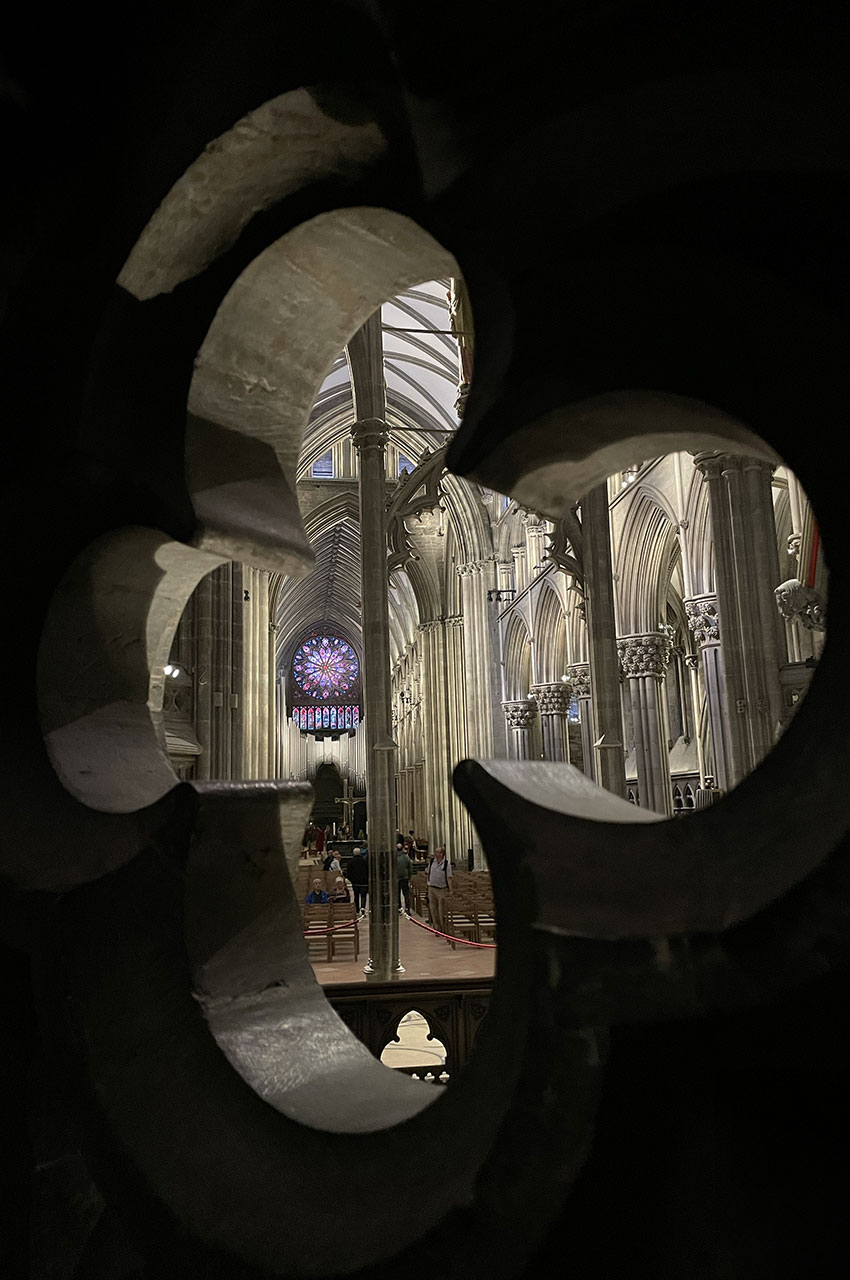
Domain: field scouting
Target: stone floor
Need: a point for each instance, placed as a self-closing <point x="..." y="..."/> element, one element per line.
<point x="423" y="954"/>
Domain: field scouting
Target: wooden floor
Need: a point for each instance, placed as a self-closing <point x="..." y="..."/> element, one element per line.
<point x="422" y="953"/>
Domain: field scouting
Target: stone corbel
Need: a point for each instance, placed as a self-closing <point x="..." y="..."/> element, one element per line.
<point x="794" y="601"/>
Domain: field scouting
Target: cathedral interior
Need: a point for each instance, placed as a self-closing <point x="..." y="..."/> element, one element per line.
<point x="420" y="423"/>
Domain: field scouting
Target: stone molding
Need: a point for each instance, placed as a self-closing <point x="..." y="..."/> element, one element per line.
<point x="552" y="699"/>
<point x="371" y="433"/>
<point x="647" y="655"/>
<point x="703" y="620"/>
<point x="472" y="567"/>
<point x="578" y="674"/>
<point x="520" y="713"/>
<point x="453" y="620"/>
<point x="793" y="600"/>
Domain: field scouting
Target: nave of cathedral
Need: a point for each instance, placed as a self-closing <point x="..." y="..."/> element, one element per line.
<point x="423" y="426"/>
<point x="667" y="686"/>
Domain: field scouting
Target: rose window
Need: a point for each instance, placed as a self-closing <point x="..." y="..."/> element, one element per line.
<point x="325" y="667"/>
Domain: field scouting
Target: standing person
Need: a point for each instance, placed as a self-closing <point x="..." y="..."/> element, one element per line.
<point x="439" y="889"/>
<point x="320" y="839"/>
<point x="405" y="870"/>
<point x="358" y="874"/>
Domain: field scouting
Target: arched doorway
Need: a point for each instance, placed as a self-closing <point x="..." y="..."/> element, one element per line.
<point x="327" y="785"/>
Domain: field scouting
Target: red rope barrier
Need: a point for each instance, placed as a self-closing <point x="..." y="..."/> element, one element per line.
<point x="483" y="946"/>
<point x="315" y="933"/>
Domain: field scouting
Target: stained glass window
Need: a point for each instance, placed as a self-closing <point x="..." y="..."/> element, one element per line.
<point x="336" y="717"/>
<point x="325" y="667"/>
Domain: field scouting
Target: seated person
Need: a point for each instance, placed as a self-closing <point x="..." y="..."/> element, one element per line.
<point x="340" y="893"/>
<point x="317" y="893"/>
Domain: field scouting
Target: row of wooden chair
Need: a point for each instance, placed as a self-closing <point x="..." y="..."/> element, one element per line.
<point x="476" y="884"/>
<point x="306" y="876"/>
<point x="471" y="917"/>
<point x="324" y="937"/>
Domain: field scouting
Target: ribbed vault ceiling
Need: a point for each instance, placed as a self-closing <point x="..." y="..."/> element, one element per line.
<point x="421" y="376"/>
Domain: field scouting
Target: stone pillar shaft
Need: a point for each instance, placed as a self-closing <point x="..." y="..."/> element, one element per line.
<point x="553" y="705"/>
<point x="369" y="440"/>
<point x="444" y="727"/>
<point x="644" y="660"/>
<point x="609" y="759"/>
<point x="704" y="622"/>
<point x="481" y="674"/>
<point x="744" y="533"/>
<point x="578" y="674"/>
<point x="203" y="665"/>
<point x="521" y="719"/>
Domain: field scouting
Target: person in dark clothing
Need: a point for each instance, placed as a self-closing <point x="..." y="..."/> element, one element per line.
<point x="358" y="874"/>
<point x="316" y="894"/>
<point x="405" y="870"/>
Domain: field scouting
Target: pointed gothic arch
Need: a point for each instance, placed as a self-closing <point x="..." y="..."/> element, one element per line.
<point x="517" y="658"/>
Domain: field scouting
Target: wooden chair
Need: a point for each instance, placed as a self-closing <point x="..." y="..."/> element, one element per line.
<point x="485" y="920"/>
<point x="418" y="889"/>
<point x="461" y="920"/>
<point x="348" y="939"/>
<point x="317" y="919"/>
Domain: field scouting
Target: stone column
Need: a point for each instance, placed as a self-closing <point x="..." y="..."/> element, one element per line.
<point x="534" y="537"/>
<point x="578" y="674"/>
<point x="272" y="701"/>
<point x="481" y="676"/>
<point x="704" y="623"/>
<point x="644" y="660"/>
<point x="692" y="664"/>
<point x="521" y="718"/>
<point x="369" y="439"/>
<point x="235" y="675"/>
<point x="747" y="560"/>
<point x="203" y="667"/>
<point x="609" y="764"/>
<point x="553" y="705"/>
<point x="444" y="733"/>
<point x="520" y="559"/>
<point x="479" y="667"/>
<point x="219" y="672"/>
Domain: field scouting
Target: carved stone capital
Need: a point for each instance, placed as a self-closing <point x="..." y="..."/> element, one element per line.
<point x="370" y="433"/>
<point x="578" y="674"/>
<point x="793" y="600"/>
<point x="646" y="655"/>
<point x="710" y="464"/>
<point x="552" y="699"/>
<point x="520" y="713"/>
<point x="703" y="619"/>
<point x="794" y="541"/>
<point x="472" y="568"/>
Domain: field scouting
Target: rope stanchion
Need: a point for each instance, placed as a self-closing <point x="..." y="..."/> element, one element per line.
<point x="481" y="946"/>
